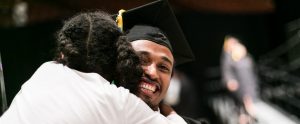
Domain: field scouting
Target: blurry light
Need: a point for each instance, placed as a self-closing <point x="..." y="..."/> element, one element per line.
<point x="173" y="93"/>
<point x="20" y="16"/>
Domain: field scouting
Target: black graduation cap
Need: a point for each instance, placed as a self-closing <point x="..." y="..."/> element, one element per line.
<point x="156" y="22"/>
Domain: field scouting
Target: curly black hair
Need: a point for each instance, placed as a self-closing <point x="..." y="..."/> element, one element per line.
<point x="128" y="60"/>
<point x="92" y="42"/>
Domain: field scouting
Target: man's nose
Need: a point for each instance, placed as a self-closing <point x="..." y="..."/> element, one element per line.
<point x="151" y="71"/>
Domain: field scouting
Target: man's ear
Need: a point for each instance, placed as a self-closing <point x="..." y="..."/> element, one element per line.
<point x="173" y="69"/>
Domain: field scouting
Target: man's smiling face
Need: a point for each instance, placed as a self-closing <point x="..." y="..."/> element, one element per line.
<point x="157" y="63"/>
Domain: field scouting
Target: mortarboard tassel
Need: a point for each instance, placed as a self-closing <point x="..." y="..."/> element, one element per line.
<point x="119" y="19"/>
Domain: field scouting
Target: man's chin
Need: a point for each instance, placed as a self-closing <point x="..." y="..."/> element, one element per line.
<point x="153" y="107"/>
<point x="147" y="100"/>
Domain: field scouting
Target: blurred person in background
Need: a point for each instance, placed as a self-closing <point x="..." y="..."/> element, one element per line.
<point x="239" y="76"/>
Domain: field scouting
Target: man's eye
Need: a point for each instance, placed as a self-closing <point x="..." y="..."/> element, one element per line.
<point x="144" y="60"/>
<point x="164" y="68"/>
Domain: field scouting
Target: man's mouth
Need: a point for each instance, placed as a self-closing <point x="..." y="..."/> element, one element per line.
<point x="148" y="87"/>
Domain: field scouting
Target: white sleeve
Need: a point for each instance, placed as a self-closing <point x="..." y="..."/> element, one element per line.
<point x="138" y="112"/>
<point x="176" y="119"/>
